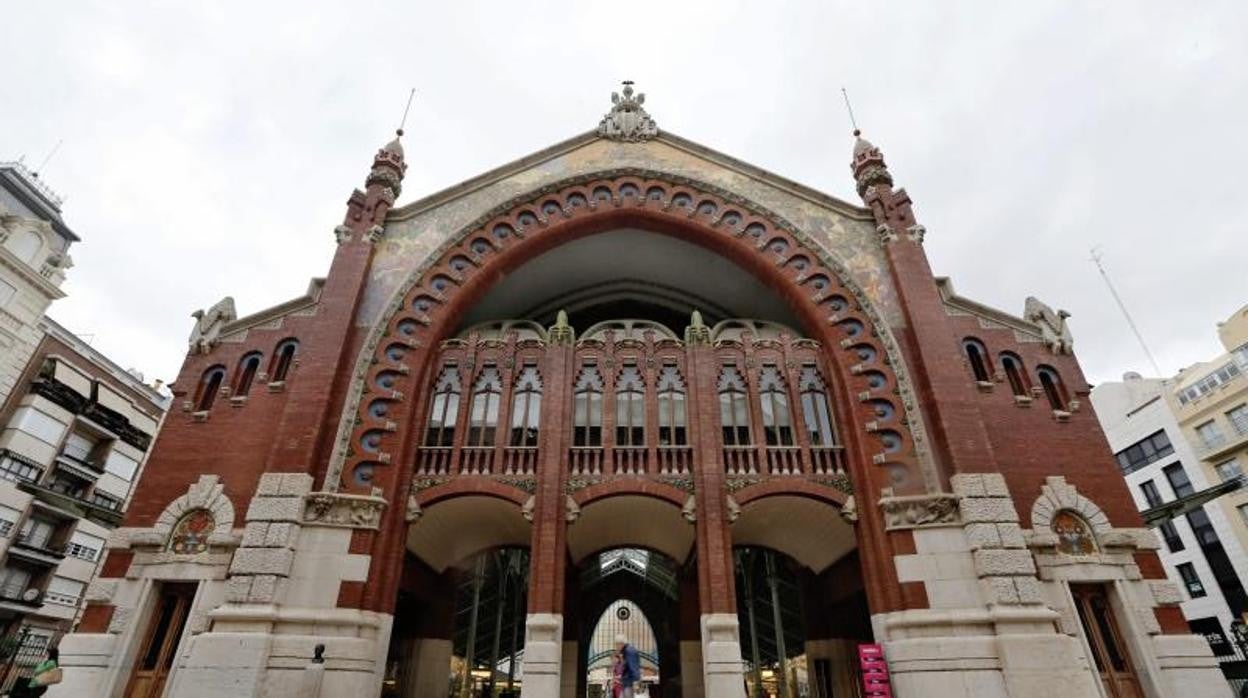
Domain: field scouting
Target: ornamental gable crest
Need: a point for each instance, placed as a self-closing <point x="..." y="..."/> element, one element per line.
<point x="628" y="121"/>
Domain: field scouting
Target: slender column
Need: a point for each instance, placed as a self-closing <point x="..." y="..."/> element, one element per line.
<point x="543" y="648"/>
<point x="721" y="640"/>
<point x="769" y="560"/>
<point x="756" y="657"/>
<point x="498" y="616"/>
<point x="471" y="648"/>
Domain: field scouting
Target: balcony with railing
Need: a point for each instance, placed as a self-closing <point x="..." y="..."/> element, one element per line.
<point x="627" y="408"/>
<point x="1215" y="446"/>
<point x="38" y="549"/>
<point x="22" y="595"/>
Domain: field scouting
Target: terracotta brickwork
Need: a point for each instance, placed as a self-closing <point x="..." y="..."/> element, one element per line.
<point x="916" y="426"/>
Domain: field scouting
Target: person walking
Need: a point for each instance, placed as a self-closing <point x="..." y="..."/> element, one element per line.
<point x="617" y="670"/>
<point x="630" y="663"/>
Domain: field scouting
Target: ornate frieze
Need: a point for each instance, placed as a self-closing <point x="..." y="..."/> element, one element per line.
<point x="919" y="510"/>
<point x="344" y="510"/>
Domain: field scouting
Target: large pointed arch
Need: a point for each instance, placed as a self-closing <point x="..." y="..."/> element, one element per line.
<point x="885" y="436"/>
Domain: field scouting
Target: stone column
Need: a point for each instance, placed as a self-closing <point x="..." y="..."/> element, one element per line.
<point x="428" y="668"/>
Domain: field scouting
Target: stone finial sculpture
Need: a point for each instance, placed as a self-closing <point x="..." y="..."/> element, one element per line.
<point x="1052" y="325"/>
<point x="208" y="324"/>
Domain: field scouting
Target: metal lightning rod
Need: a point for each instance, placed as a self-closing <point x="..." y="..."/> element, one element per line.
<point x="850" y="109"/>
<point x="1097" y="255"/>
<point x="406" y="109"/>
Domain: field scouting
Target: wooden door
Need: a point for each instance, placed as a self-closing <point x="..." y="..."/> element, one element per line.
<point x="1106" y="641"/>
<point x="160" y="642"/>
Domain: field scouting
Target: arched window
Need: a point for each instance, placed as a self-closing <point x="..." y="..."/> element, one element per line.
<point x="190" y="533"/>
<point x="1053" y="388"/>
<point x="777" y="424"/>
<point x="977" y="355"/>
<point x="671" y="389"/>
<point x="630" y="407"/>
<point x="587" y="408"/>
<point x="526" y="407"/>
<point x="734" y="408"/>
<point x="209" y="386"/>
<point x="25" y="244"/>
<point x="1015" y="374"/>
<point x="487" y="393"/>
<point x="283" y="357"/>
<point x="444" y="409"/>
<point x="246" y="373"/>
<point x="815" y="411"/>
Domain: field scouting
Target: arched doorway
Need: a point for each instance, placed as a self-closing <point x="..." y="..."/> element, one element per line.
<point x="570" y="384"/>
<point x="801" y="596"/>
<point x="634" y="592"/>
<point x="462" y="600"/>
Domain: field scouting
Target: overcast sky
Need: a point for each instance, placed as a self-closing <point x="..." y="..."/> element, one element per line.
<point x="210" y="150"/>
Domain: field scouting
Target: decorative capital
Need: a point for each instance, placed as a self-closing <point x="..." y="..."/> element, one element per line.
<point x="917" y="511"/>
<point x="572" y="510"/>
<point x="697" y="332"/>
<point x="342" y="234"/>
<point x="561" y="332"/>
<point x="690" y="510"/>
<point x="345" y="510"/>
<point x="627" y="121"/>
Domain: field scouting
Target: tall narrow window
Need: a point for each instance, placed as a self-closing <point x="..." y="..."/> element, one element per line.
<point x="815" y="410"/>
<point x="777" y="424"/>
<point x="587" y="408"/>
<point x="444" y="409"/>
<point x="977" y="355"/>
<point x="671" y="389"/>
<point x="526" y="407"/>
<point x="1191" y="580"/>
<point x="487" y="393"/>
<point x="1053" y="388"/>
<point x="630" y="407"/>
<point x="734" y="408"/>
<point x="209" y="386"/>
<point x="283" y="357"/>
<point x="1015" y="374"/>
<point x="247" y="368"/>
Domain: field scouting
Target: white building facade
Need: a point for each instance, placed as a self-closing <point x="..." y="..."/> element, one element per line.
<point x="1199" y="550"/>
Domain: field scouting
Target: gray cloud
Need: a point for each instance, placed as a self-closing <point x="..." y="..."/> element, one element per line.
<point x="209" y="150"/>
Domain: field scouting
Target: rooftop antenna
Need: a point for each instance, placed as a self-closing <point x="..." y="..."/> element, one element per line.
<point x="406" y="109"/>
<point x="849" y="108"/>
<point x="1097" y="255"/>
<point x="44" y="164"/>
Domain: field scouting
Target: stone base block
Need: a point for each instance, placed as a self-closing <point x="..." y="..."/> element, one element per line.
<point x="723" y="671"/>
<point x="543" y="655"/>
<point x="222" y="664"/>
<point x="86" y="661"/>
<point x="1188" y="667"/>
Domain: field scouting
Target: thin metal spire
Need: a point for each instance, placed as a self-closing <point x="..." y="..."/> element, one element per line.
<point x="406" y="109"/>
<point x="44" y="164"/>
<point x="849" y="108"/>
<point x="1097" y="255"/>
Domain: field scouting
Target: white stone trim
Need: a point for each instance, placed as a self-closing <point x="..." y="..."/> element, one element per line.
<point x="1057" y="495"/>
<point x="208" y="493"/>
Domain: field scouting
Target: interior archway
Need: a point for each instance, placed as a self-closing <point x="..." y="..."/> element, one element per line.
<point x="820" y="294"/>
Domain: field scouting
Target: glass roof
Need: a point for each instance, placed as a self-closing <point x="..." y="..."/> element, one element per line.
<point x="654" y="569"/>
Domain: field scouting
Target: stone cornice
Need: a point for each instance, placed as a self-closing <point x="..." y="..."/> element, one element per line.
<point x="307" y="300"/>
<point x="29" y="275"/>
<point x="967" y="306"/>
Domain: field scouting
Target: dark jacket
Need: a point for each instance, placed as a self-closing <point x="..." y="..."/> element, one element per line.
<point x="632" y="666"/>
